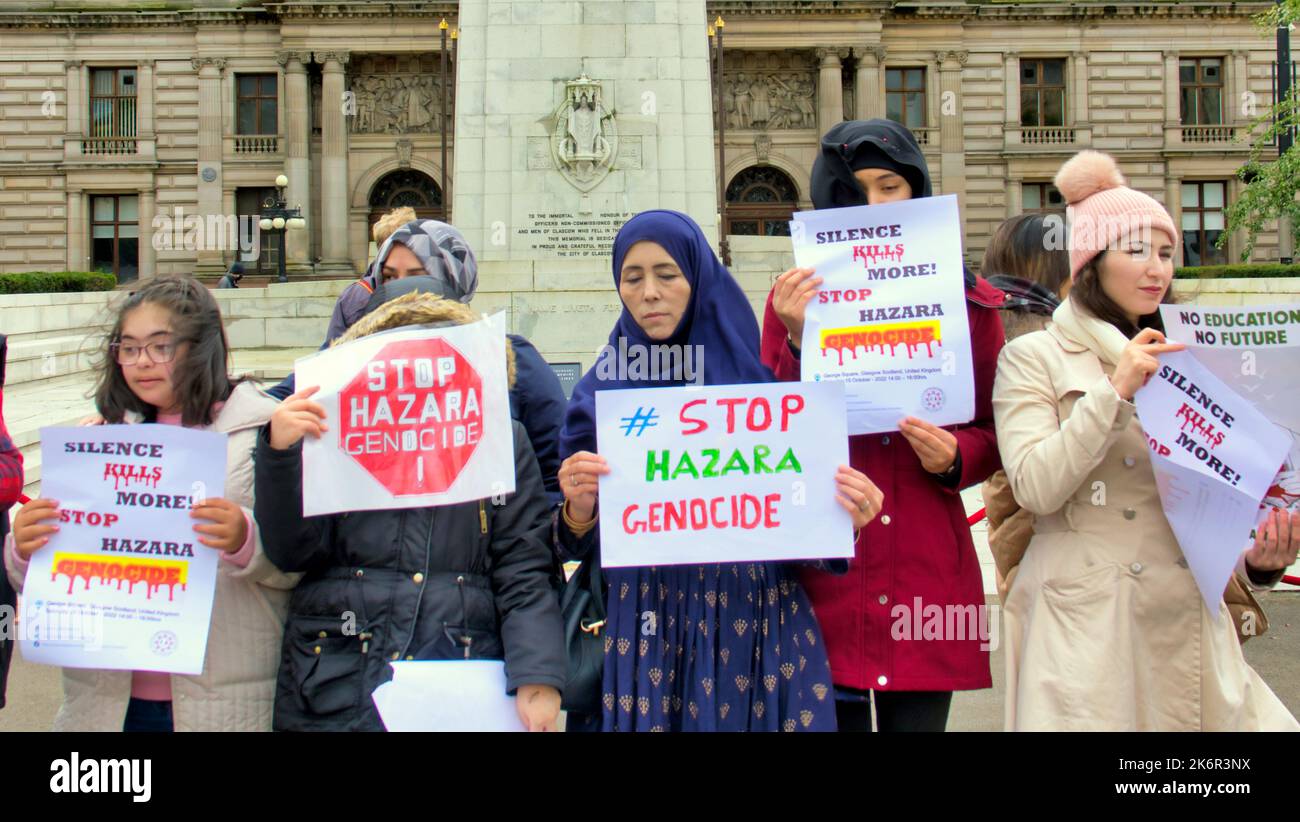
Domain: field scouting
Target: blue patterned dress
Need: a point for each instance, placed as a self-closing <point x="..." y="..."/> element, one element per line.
<point x="730" y="647"/>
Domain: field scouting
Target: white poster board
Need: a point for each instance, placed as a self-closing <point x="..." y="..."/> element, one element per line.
<point x="125" y="582"/>
<point x="417" y="417"/>
<point x="739" y="473"/>
<point x="890" y="319"/>
<point x="1214" y="456"/>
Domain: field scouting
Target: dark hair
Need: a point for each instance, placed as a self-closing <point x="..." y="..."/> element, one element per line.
<point x="201" y="377"/>
<point x="1020" y="247"/>
<point x="1087" y="292"/>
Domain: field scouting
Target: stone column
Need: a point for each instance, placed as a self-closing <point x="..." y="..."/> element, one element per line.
<point x="334" y="167"/>
<point x="1011" y="92"/>
<point x="78" y="231"/>
<point x="144" y="113"/>
<point x="830" y="88"/>
<point x="148" y="255"/>
<point x="210" y="69"/>
<point x="1238" y="110"/>
<point x="1174" y="205"/>
<point x="1173" y="114"/>
<point x="297" y="166"/>
<point x="1079" y="105"/>
<point x="867" y="83"/>
<point x="1015" y="196"/>
<point x="74" y="109"/>
<point x="952" y="140"/>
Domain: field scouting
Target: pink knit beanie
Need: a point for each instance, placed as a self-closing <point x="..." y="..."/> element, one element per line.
<point x="1102" y="209"/>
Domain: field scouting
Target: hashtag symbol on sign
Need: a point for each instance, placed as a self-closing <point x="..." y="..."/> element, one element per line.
<point x="641" y="420"/>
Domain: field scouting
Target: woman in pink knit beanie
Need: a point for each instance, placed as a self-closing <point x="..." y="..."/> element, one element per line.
<point x="1105" y="628"/>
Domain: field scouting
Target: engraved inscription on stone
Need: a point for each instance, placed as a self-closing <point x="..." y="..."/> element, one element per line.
<point x="629" y="153"/>
<point x="567" y="235"/>
<point x="539" y="154"/>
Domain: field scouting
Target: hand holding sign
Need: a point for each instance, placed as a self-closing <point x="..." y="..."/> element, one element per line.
<point x="934" y="447"/>
<point x="579" y="479"/>
<point x="1138" y="362"/>
<point x="538" y="707"/>
<point x="295" y="418"/>
<point x="229" y="528"/>
<point x="30" y="530"/>
<point x="791" y="294"/>
<point x="1277" y="542"/>
<point x="858" y="495"/>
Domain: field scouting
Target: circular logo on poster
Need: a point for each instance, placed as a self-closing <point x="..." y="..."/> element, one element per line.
<point x="932" y="399"/>
<point x="412" y="417"/>
<point x="163" y="643"/>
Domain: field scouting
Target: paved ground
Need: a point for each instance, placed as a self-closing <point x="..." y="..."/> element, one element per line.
<point x="35" y="692"/>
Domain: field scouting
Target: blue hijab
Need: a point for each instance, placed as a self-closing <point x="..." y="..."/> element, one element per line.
<point x="718" y="317"/>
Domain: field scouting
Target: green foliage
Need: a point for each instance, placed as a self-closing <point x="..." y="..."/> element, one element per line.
<point x="40" y="282"/>
<point x="1214" y="272"/>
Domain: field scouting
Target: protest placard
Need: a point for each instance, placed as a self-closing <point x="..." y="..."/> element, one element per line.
<point x="416" y="417"/>
<point x="1214" y="456"/>
<point x="722" y="474"/>
<point x="889" y="320"/>
<point x="1256" y="351"/>
<point x="124" y="583"/>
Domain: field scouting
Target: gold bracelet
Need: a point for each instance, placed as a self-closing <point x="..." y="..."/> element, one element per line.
<point x="579" y="529"/>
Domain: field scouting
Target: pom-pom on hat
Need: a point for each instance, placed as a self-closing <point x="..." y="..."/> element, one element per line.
<point x="1102" y="209"/>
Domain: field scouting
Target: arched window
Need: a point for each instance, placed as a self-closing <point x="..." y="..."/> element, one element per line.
<point x="407" y="187"/>
<point x="760" y="201"/>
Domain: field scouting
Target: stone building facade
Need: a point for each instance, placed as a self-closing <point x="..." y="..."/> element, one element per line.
<point x="123" y="121"/>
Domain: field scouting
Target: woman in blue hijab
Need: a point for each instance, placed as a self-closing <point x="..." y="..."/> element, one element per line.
<point x="719" y="647"/>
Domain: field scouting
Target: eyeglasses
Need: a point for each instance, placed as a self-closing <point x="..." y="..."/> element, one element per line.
<point x="129" y="353"/>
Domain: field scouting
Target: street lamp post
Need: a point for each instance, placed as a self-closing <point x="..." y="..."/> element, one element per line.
<point x="724" y="247"/>
<point x="278" y="217"/>
<point x="1285" y="137"/>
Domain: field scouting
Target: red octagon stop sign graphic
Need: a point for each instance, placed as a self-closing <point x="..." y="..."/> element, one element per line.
<point x="412" y="417"/>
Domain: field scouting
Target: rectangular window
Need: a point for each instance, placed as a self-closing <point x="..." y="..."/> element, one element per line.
<point x="1203" y="221"/>
<point x="115" y="235"/>
<point x="1200" y="81"/>
<point x="905" y="96"/>
<point x="1042" y="93"/>
<point x="256" y="104"/>
<point x="1041" y="198"/>
<point x="112" y="102"/>
<point x="248" y="205"/>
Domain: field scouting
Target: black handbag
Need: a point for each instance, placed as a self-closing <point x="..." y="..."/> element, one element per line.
<point x="582" y="606"/>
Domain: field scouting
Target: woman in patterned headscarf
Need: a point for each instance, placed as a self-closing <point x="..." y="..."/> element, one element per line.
<point x="438" y="253"/>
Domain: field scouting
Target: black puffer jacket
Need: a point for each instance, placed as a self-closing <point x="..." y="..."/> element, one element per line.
<point x="473" y="580"/>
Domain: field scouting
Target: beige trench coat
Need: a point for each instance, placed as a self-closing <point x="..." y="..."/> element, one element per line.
<point x="1104" y="626"/>
<point x="236" y="688"/>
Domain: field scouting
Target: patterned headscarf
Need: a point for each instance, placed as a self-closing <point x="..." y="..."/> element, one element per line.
<point x="443" y="252"/>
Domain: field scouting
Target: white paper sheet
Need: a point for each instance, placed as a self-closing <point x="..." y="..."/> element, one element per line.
<point x="1214" y="456"/>
<point x="132" y="592"/>
<point x="453" y="695"/>
<point x="416" y="418"/>
<point x="890" y="319"/>
<point x="689" y="485"/>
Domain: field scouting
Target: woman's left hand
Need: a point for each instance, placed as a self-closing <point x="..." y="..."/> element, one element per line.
<point x="229" y="528"/>
<point x="538" y="707"/>
<point x="1276" y="542"/>
<point x="859" y="495"/>
<point x="935" y="447"/>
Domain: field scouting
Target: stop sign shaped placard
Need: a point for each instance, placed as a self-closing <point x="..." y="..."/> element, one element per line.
<point x="412" y="416"/>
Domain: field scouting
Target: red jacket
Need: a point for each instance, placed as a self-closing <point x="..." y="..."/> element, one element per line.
<point x="918" y="546"/>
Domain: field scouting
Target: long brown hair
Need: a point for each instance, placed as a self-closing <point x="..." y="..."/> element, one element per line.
<point x="1020" y="247"/>
<point x="1087" y="292"/>
<point x="200" y="379"/>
